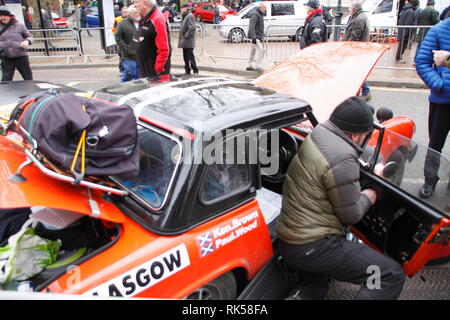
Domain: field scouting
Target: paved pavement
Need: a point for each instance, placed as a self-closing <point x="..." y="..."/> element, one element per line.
<point x="387" y="73"/>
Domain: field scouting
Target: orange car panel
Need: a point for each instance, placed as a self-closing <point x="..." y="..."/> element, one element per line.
<point x="319" y="74"/>
<point x="143" y="264"/>
<point x="41" y="190"/>
<point x="426" y="251"/>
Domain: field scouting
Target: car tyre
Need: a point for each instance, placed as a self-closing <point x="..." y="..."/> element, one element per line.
<point x="221" y="288"/>
<point x="399" y="157"/>
<point x="236" y="35"/>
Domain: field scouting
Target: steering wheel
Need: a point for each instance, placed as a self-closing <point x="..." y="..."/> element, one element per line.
<point x="287" y="148"/>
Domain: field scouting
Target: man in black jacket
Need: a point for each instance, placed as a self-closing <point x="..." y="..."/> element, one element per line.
<point x="315" y="29"/>
<point x="256" y="33"/>
<point x="407" y="18"/>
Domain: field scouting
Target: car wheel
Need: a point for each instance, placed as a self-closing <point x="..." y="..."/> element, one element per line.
<point x="236" y="35"/>
<point x="198" y="18"/>
<point x="400" y="159"/>
<point x="221" y="288"/>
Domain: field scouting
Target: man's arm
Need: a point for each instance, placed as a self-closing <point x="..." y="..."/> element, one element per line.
<point x="252" y="26"/>
<point x="356" y="32"/>
<point x="441" y="58"/>
<point x="162" y="45"/>
<point x="191" y="27"/>
<point x="344" y="192"/>
<point x="119" y="35"/>
<point x="424" y="61"/>
<point x="27" y="35"/>
<point x="317" y="30"/>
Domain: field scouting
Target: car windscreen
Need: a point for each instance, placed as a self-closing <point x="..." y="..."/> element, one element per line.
<point x="159" y="159"/>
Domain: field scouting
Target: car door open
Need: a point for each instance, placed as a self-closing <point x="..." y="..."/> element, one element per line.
<point x="401" y="224"/>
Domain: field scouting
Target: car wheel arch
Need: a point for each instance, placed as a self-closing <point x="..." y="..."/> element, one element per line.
<point x="238" y="276"/>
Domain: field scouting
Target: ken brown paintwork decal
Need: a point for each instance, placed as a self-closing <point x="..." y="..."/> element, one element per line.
<point x="222" y="235"/>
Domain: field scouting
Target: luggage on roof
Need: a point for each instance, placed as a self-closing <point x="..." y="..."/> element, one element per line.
<point x="83" y="135"/>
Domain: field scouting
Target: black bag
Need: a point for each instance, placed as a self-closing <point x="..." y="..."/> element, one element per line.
<point x="11" y="220"/>
<point x="70" y="131"/>
<point x="85" y="232"/>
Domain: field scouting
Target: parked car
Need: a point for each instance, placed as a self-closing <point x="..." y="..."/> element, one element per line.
<point x="190" y="227"/>
<point x="205" y="12"/>
<point x="60" y="21"/>
<point x="384" y="13"/>
<point x="282" y="19"/>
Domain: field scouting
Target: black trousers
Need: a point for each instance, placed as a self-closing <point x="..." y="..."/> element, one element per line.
<point x="189" y="60"/>
<point x="438" y="129"/>
<point x="9" y="66"/>
<point x="402" y="45"/>
<point x="335" y="257"/>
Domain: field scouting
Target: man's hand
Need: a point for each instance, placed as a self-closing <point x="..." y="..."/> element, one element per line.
<point x="25" y="44"/>
<point x="440" y="56"/>
<point x="371" y="194"/>
<point x="378" y="169"/>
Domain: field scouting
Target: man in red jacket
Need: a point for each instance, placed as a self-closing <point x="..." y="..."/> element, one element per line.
<point x="153" y="49"/>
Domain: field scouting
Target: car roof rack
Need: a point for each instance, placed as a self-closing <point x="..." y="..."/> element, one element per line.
<point x="33" y="157"/>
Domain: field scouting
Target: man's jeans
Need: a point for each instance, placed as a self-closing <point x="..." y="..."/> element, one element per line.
<point x="130" y="70"/>
<point x="335" y="257"/>
<point x="365" y="88"/>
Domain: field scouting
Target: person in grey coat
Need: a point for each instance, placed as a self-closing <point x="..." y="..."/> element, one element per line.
<point x="407" y="18"/>
<point x="125" y="33"/>
<point x="186" y="39"/>
<point x="358" y="29"/>
<point x="256" y="34"/>
<point x="14" y="41"/>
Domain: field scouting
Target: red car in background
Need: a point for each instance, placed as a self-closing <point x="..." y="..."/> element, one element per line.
<point x="59" y="21"/>
<point x="205" y="12"/>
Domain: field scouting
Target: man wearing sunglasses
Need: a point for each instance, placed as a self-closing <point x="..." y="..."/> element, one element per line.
<point x="322" y="197"/>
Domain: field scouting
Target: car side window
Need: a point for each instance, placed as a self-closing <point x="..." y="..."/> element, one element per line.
<point x="384" y="7"/>
<point x="207" y="8"/>
<point x="282" y="9"/>
<point x="222" y="180"/>
<point x="227" y="173"/>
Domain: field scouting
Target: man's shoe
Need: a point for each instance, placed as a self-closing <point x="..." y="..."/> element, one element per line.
<point x="426" y="191"/>
<point x="250" y="69"/>
<point x="366" y="97"/>
<point x="195" y="71"/>
<point x="259" y="70"/>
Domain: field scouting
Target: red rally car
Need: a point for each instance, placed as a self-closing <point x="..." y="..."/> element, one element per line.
<point x="189" y="226"/>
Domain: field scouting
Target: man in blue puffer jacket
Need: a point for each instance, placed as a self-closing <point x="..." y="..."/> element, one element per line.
<point x="438" y="80"/>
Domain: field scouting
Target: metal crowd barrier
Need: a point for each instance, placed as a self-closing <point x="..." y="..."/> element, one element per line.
<point x="55" y="43"/>
<point x="229" y="43"/>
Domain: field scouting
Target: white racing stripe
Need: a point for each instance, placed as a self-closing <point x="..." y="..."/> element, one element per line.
<point x="140" y="106"/>
<point x="165" y="85"/>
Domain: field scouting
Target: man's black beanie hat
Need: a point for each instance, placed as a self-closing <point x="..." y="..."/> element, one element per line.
<point x="353" y="115"/>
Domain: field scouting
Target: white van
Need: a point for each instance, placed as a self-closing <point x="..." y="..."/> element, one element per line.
<point x="384" y="13"/>
<point x="282" y="18"/>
